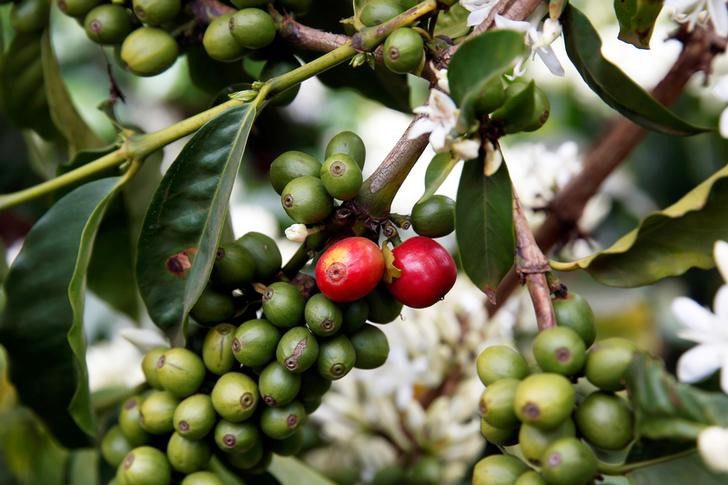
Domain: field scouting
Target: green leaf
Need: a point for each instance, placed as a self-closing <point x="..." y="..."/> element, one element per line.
<point x="688" y="469"/>
<point x="63" y="113"/>
<point x="185" y="220"/>
<point x="453" y="22"/>
<point x="437" y="171"/>
<point x="484" y="225"/>
<point x="45" y="342"/>
<point x="290" y="471"/>
<point x="637" y="20"/>
<point x="478" y="60"/>
<point x="666" y="243"/>
<point x="583" y="46"/>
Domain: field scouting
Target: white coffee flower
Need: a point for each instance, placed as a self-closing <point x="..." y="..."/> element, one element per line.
<point x="479" y="10"/>
<point x="694" y="12"/>
<point x="713" y="447"/>
<point x="297" y="232"/>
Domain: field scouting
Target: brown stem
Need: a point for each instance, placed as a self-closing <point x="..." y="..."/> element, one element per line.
<point x="304" y="37"/>
<point x="613" y="147"/>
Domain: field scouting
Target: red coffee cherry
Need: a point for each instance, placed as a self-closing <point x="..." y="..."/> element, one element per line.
<point x="428" y="272"/>
<point x="349" y="269"/>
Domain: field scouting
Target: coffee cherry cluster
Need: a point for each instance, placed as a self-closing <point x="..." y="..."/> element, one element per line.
<point x="555" y="429"/>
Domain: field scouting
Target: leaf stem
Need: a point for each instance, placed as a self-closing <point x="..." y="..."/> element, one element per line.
<point x="609" y="469"/>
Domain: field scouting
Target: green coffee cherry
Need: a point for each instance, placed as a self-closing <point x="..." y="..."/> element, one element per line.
<point x="281" y="422"/>
<point x="235" y="396"/>
<point x="278" y="67"/>
<point x="252" y="28"/>
<point x="156" y="12"/>
<point x="559" y="350"/>
<point x="323" y="317"/>
<point x="250" y="3"/>
<point x="297" y="350"/>
<point x="248" y="459"/>
<point x="313" y="386"/>
<point x="194" y="417"/>
<point x="383" y="307"/>
<point x="605" y="421"/>
<point x="371" y="346"/>
<point x="500" y="362"/>
<point x="149" y="366"/>
<point x="376" y="12"/>
<point x="28" y="16"/>
<point x="498" y="436"/>
<point x="186" y="455"/>
<point x="355" y="316"/>
<point x="306" y="200"/>
<point x="149" y="51"/>
<point x="77" y="8"/>
<point x="130" y="421"/>
<point x="234" y="266"/>
<point x="114" y="446"/>
<point x="607" y="361"/>
<point x="544" y="400"/>
<point x="180" y="371"/>
<point x="254" y="343"/>
<point x="425" y="471"/>
<point x="574" y="312"/>
<point x="236" y="437"/>
<point x="157" y="412"/>
<point x="568" y="461"/>
<point x="534" y="441"/>
<point x="336" y="357"/>
<point x="145" y="466"/>
<point x="217" y="350"/>
<point x="404" y="51"/>
<point x="498" y="470"/>
<point x="530" y="478"/>
<point x="348" y="143"/>
<point x="491" y="96"/>
<point x="277" y="385"/>
<point x="265" y="253"/>
<point x="526" y="108"/>
<point x="496" y="403"/>
<point x="213" y="307"/>
<point x="341" y="176"/>
<point x="107" y="24"/>
<point x="288" y="446"/>
<point x="434" y="216"/>
<point x="202" y="478"/>
<point x="283" y="304"/>
<point x="290" y="165"/>
<point x="219" y="42"/>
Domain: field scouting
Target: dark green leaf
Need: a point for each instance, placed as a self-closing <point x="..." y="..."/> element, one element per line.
<point x="666" y="243"/>
<point x="45" y="342"/>
<point x="583" y="46"/>
<point x="185" y="220"/>
<point x="637" y="20"/>
<point x="437" y="171"/>
<point x="688" y="469"/>
<point x="484" y="225"/>
<point x="290" y="471"/>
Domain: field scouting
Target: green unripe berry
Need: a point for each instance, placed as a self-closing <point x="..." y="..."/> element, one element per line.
<point x="496" y="403"/>
<point x="265" y="252"/>
<point x="607" y="361"/>
<point x="544" y="400"/>
<point x="500" y="362"/>
<point x="348" y="143"/>
<point x="202" y="478"/>
<point x="498" y="436"/>
<point x="114" y="446"/>
<point x="252" y="28"/>
<point x="145" y="466"/>
<point x="490" y="96"/>
<point x="313" y="387"/>
<point x="219" y="42"/>
<point x="248" y="459"/>
<point x="236" y="437"/>
<point x="434" y="216"/>
<point x="130" y="421"/>
<point x="404" y="51"/>
<point x="217" y="351"/>
<point x="186" y="455"/>
<point x="425" y="471"/>
<point x="277" y="385"/>
<point x="27" y="16"/>
<point x="530" y="478"/>
<point x="281" y="422"/>
<point x="156" y="12"/>
<point x="323" y="317"/>
<point x="355" y="316"/>
<point x="559" y="350"/>
<point x="290" y="165"/>
<point x="278" y="67"/>
<point x="526" y="108"/>
<point x="283" y="305"/>
<point x="77" y="8"/>
<point x="297" y="350"/>
<point x="234" y="266"/>
<point x="149" y="366"/>
<point x="235" y="396"/>
<point x="568" y="461"/>
<point x="605" y="421"/>
<point x="534" y="441"/>
<point x="213" y="307"/>
<point x="371" y="346"/>
<point x="194" y="417"/>
<point x="180" y="371"/>
<point x="107" y="24"/>
<point x="157" y="412"/>
<point x="336" y="357"/>
<point x="288" y="446"/>
<point x="254" y="343"/>
<point x="306" y="200"/>
<point x="574" y="312"/>
<point x="498" y="470"/>
<point x="149" y="51"/>
<point x="341" y="176"/>
<point x="375" y="12"/>
<point x="383" y="306"/>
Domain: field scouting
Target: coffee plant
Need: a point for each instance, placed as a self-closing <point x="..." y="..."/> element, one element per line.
<point x="248" y="346"/>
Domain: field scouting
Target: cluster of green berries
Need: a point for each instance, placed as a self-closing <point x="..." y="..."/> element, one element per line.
<point x="518" y="106"/>
<point x="556" y="429"/>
